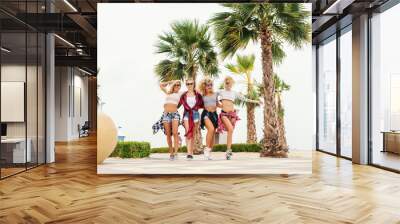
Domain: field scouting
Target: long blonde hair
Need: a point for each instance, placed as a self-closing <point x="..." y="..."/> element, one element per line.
<point x="174" y="83"/>
<point x="230" y="79"/>
<point x="202" y="86"/>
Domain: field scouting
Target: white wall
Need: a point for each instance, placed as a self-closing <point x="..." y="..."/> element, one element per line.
<point x="71" y="94"/>
<point x="314" y="93"/>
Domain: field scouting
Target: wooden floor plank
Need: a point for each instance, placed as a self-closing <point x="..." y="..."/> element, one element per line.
<point x="70" y="191"/>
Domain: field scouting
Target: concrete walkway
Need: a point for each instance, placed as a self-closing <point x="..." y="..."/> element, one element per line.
<point x="299" y="162"/>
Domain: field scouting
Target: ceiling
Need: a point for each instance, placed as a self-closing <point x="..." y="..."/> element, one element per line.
<point x="328" y="16"/>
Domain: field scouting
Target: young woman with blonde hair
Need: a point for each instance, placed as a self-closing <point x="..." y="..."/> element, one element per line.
<point x="191" y="101"/>
<point x="209" y="116"/>
<point x="170" y="118"/>
<point x="228" y="116"/>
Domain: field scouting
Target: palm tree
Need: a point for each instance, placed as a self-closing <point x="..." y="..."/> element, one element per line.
<point x="244" y="66"/>
<point x="188" y="49"/>
<point x="280" y="87"/>
<point x="270" y="24"/>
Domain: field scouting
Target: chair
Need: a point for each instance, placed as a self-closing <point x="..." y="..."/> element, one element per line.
<point x="84" y="130"/>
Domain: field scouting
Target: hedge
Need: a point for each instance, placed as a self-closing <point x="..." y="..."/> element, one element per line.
<point x="131" y="150"/>
<point x="217" y="148"/>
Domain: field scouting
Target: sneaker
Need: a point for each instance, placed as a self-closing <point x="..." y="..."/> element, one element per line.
<point x="228" y="154"/>
<point x="207" y="154"/>
<point x="171" y="157"/>
<point x="189" y="157"/>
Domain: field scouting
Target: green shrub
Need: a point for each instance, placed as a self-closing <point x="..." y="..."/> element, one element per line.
<point x="116" y="151"/>
<point x="242" y="147"/>
<point x="131" y="150"/>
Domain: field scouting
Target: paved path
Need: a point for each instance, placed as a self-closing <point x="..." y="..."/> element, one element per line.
<point x="299" y="162"/>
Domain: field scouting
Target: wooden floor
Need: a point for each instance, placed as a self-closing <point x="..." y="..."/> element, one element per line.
<point x="387" y="159"/>
<point x="10" y="171"/>
<point x="70" y="191"/>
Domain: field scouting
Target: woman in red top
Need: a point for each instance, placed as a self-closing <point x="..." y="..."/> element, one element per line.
<point x="191" y="102"/>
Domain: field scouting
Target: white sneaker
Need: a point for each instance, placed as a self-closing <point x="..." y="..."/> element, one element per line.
<point x="207" y="153"/>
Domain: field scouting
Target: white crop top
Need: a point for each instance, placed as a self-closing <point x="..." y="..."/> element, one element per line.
<point x="210" y="100"/>
<point x="230" y="95"/>
<point x="173" y="98"/>
<point x="191" y="101"/>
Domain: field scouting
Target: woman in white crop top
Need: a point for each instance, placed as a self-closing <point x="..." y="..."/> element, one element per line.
<point x="170" y="118"/>
<point x="228" y="117"/>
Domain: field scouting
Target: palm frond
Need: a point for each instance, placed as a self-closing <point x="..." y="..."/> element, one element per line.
<point x="292" y="23"/>
<point x="242" y="23"/>
<point x="245" y="63"/>
<point x="278" y="54"/>
<point x="232" y="68"/>
<point x="235" y="28"/>
<point x="168" y="70"/>
<point x="187" y="47"/>
<point x="280" y="84"/>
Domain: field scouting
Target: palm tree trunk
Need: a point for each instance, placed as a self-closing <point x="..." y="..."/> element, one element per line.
<point x="281" y="125"/>
<point x="251" y="121"/>
<point x="251" y="124"/>
<point x="198" y="139"/>
<point x="271" y="146"/>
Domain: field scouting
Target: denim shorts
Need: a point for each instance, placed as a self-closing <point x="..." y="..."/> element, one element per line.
<point x="212" y="116"/>
<point x="170" y="116"/>
<point x="196" y="116"/>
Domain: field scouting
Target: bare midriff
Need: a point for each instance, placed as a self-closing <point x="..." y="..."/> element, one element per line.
<point x="227" y="105"/>
<point x="211" y="108"/>
<point x="170" y="108"/>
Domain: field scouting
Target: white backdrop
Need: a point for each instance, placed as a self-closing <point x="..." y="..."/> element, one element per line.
<point x="129" y="88"/>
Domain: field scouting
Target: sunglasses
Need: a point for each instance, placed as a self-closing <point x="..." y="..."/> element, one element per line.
<point x="209" y="85"/>
<point x="178" y="85"/>
<point x="189" y="83"/>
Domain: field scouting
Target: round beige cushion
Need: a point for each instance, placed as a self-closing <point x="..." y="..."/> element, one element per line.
<point x="107" y="136"/>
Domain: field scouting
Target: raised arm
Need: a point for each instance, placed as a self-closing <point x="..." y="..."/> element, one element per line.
<point x="181" y="100"/>
<point x="163" y="86"/>
<point x="219" y="104"/>
<point x="247" y="100"/>
<point x="200" y="98"/>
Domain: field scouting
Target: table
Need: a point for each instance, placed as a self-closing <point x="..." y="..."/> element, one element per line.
<point x="17" y="153"/>
<point x="391" y="141"/>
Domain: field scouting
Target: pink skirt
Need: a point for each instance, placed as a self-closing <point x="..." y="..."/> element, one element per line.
<point x="232" y="116"/>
